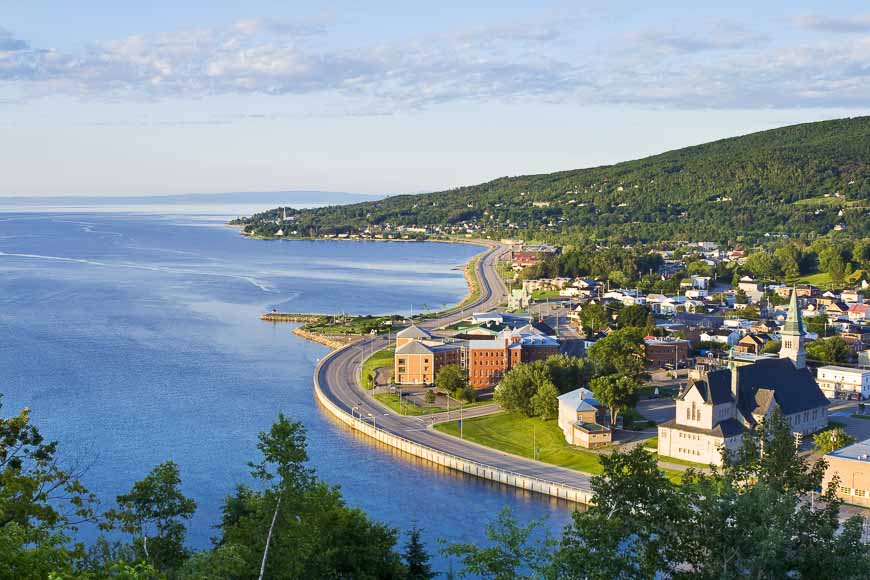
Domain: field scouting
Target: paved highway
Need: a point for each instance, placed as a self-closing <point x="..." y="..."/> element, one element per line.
<point x="338" y="378"/>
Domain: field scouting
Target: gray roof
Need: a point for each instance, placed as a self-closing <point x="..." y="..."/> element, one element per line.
<point x="414" y="331"/>
<point x="413" y="347"/>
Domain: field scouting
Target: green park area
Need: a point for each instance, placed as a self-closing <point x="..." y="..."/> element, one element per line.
<point x="341" y="325"/>
<point x="381" y="358"/>
<point x="515" y="434"/>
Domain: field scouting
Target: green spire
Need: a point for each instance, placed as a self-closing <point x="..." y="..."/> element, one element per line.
<point x="794" y="324"/>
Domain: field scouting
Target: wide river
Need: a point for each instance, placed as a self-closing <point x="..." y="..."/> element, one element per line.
<point x="136" y="339"/>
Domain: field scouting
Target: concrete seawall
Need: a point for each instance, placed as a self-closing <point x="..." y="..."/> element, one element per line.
<point x="518" y="480"/>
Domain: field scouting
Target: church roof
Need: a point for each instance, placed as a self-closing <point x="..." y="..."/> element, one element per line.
<point x="794" y="324"/>
<point x="716" y="389"/>
<point x="761" y="384"/>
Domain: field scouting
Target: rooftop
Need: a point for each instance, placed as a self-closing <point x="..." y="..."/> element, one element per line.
<point x="859" y="451"/>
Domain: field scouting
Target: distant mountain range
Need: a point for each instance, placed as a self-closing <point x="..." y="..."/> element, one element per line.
<point x="801" y="181"/>
<point x="252" y="200"/>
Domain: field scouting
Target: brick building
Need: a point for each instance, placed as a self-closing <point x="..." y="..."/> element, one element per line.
<point x="489" y="360"/>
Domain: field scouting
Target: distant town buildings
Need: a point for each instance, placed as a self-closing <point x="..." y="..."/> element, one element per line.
<point x="851" y="465"/>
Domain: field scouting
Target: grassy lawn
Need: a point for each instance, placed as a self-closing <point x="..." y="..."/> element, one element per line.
<point x="391" y="400"/>
<point x="820" y="279"/>
<point x="474" y="293"/>
<point x="856" y="416"/>
<point x="515" y="434"/>
<point x="382" y="358"/>
<point x="634" y="421"/>
<point x="542" y="295"/>
<point x="651" y="443"/>
<point x="505" y="270"/>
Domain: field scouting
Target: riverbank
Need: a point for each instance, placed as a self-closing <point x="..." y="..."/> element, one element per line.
<point x="349" y="329"/>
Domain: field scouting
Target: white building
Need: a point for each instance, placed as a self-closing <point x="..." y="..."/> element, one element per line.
<point x="839" y="382"/>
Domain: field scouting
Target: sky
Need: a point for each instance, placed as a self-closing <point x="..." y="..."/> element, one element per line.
<point x="161" y="97"/>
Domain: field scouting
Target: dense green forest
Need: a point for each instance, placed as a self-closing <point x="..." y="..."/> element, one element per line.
<point x="800" y="181"/>
<point x="747" y="520"/>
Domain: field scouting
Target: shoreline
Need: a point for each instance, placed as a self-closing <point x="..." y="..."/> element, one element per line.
<point x="472" y="284"/>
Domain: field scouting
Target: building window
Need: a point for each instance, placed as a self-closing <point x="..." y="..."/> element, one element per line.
<point x="860" y="493"/>
<point x="845" y="490"/>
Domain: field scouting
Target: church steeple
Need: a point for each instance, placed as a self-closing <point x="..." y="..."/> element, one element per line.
<point x="793" y="341"/>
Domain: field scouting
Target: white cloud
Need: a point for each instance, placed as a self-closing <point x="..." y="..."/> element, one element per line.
<point x="819" y="22"/>
<point x="721" y="65"/>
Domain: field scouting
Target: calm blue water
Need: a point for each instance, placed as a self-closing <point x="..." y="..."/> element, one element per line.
<point x="136" y="339"/>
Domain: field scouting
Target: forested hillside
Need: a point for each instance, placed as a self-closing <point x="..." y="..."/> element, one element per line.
<point x="801" y="180"/>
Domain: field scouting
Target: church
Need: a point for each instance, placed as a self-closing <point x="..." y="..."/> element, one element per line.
<point x="719" y="407"/>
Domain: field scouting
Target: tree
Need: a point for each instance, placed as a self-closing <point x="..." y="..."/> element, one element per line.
<point x="762" y="263"/>
<point x="634" y="315"/>
<point x="771" y="347"/>
<point x="416" y="557"/>
<point x="819" y="325"/>
<point x="567" y="372"/>
<point x="788" y="257"/>
<point x="153" y="512"/>
<point x="617" y="392"/>
<point x="515" y="552"/>
<point x="545" y="401"/>
<point x="620" y="352"/>
<point x="41" y="502"/>
<point x="828" y="350"/>
<point x="314" y="534"/>
<point x="633" y="528"/>
<point x="747" y="520"/>
<point x="831" y="439"/>
<point x="519" y="385"/>
<point x="450" y="379"/>
<point x="593" y="318"/>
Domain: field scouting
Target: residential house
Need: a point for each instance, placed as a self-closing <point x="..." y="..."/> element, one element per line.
<point x="859" y="312"/>
<point x="725" y="336"/>
<point x="578" y="419"/>
<point x="752" y="343"/>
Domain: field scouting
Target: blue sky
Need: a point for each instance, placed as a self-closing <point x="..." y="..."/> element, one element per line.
<point x="116" y="98"/>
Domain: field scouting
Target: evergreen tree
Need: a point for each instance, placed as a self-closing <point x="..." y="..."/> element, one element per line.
<point x="416" y="557"/>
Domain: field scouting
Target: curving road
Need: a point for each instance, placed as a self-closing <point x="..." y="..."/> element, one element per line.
<point x="337" y="375"/>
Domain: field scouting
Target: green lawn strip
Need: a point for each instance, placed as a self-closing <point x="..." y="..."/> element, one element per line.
<point x="514" y="434"/>
<point x="856" y="416"/>
<point x="391" y="400"/>
<point x="651" y="443"/>
<point x="685" y="462"/>
<point x="382" y="358"/>
<point x="634" y="421"/>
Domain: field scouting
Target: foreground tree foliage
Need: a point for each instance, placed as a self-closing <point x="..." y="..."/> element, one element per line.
<point x="752" y="519"/>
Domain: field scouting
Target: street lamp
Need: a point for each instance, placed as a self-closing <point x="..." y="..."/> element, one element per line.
<point x="374" y="421"/>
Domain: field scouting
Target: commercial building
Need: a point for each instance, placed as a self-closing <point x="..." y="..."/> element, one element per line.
<point x="660" y="352"/>
<point x="851" y="465"/>
<point x="489" y="360"/>
<point x="419" y="356"/>
<point x="840" y="382"/>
